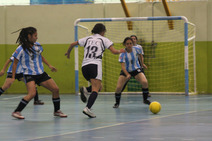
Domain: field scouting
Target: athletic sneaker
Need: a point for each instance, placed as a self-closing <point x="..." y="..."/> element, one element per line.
<point x="38" y="102"/>
<point x="116" y="105"/>
<point x="88" y="112"/>
<point x="83" y="94"/>
<point x="17" y="115"/>
<point x="60" y="114"/>
<point x="147" y="102"/>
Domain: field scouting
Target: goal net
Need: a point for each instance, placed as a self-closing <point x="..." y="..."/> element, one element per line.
<point x="169" y="52"/>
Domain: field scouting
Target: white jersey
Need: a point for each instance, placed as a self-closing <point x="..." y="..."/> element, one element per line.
<point x="30" y="62"/>
<point x="94" y="47"/>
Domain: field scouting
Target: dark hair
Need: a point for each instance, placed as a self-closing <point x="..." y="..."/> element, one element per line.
<point x="134" y="36"/>
<point x="98" y="28"/>
<point x="125" y="40"/>
<point x="23" y="38"/>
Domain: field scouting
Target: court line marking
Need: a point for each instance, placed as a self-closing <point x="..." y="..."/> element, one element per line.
<point x="13" y="97"/>
<point x="118" y="124"/>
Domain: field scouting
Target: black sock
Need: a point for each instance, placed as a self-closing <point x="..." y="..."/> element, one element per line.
<point x="145" y="93"/>
<point x="23" y="103"/>
<point x="118" y="98"/>
<point x="89" y="89"/>
<point x="1" y="91"/>
<point x="36" y="96"/>
<point x="92" y="99"/>
<point x="56" y="102"/>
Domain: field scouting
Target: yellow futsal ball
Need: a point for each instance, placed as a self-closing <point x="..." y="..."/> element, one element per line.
<point x="155" y="107"/>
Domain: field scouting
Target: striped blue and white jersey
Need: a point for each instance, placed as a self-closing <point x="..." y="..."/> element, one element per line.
<point x="139" y="46"/>
<point x="94" y="47"/>
<point x="19" y="68"/>
<point x="30" y="62"/>
<point x="130" y="59"/>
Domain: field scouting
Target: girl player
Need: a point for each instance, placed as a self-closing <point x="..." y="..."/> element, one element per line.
<point x="18" y="76"/>
<point x="130" y="68"/>
<point x="29" y="55"/>
<point x="94" y="47"/>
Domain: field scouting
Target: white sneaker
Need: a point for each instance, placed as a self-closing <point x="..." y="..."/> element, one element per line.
<point x="83" y="94"/>
<point x="17" y="115"/>
<point x="60" y="114"/>
<point x="88" y="112"/>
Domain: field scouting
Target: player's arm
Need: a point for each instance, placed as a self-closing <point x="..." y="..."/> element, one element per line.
<point x="5" y="67"/>
<point x="15" y="63"/>
<point x="115" y="51"/>
<point x="70" y="48"/>
<point x="53" y="69"/>
<point x="125" y="71"/>
<point x="141" y="58"/>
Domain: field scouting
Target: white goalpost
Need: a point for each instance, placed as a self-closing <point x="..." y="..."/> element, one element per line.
<point x="169" y="53"/>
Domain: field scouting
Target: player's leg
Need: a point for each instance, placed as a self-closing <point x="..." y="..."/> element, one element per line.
<point x="7" y="83"/>
<point x="23" y="103"/>
<point x="84" y="91"/>
<point x="52" y="86"/>
<point x="36" y="99"/>
<point x="96" y="85"/>
<point x="141" y="78"/>
<point x="122" y="81"/>
<point x="92" y="73"/>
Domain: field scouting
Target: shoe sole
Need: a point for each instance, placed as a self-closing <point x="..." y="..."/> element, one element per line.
<point x="115" y="107"/>
<point x="88" y="114"/>
<point x="61" y="116"/>
<point x="82" y="96"/>
<point x="18" y="117"/>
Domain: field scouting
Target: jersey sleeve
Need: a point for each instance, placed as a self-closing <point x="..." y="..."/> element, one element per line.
<point x="12" y="58"/>
<point x="18" y="53"/>
<point x="138" y="50"/>
<point x="82" y="41"/>
<point x="142" y="51"/>
<point x="122" y="58"/>
<point x="108" y="43"/>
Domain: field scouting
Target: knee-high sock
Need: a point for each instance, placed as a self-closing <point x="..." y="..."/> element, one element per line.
<point x="23" y="103"/>
<point x="56" y="102"/>
<point x="118" y="98"/>
<point x="145" y="93"/>
<point x="92" y="99"/>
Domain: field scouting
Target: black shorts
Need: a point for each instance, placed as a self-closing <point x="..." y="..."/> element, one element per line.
<point x="133" y="73"/>
<point x="37" y="78"/>
<point x="92" y="71"/>
<point x="17" y="76"/>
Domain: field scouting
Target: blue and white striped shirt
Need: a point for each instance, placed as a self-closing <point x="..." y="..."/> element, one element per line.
<point x="19" y="69"/>
<point x="31" y="62"/>
<point x="130" y="59"/>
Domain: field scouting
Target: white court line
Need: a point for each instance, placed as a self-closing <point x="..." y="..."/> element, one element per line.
<point x="118" y="124"/>
<point x="13" y="97"/>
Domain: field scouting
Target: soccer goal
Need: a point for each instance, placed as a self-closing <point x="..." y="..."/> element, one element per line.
<point x="169" y="53"/>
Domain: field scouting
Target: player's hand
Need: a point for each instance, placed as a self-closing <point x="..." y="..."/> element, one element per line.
<point x="67" y="54"/>
<point x="1" y="73"/>
<point x="128" y="76"/>
<point x="144" y="66"/>
<point x="12" y="80"/>
<point x="53" y="69"/>
<point x="122" y="50"/>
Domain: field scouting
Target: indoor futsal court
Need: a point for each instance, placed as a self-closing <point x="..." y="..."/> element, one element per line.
<point x="163" y="48"/>
<point x="182" y="118"/>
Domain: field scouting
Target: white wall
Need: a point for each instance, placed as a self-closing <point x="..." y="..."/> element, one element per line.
<point x="55" y="22"/>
